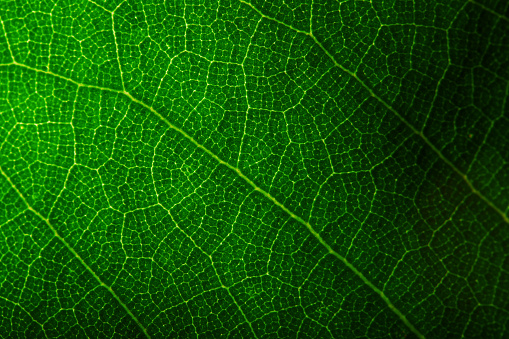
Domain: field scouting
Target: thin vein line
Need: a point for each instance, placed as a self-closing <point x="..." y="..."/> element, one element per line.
<point x="247" y="93"/>
<point x="116" y="44"/>
<point x="14" y="63"/>
<point x="7" y="40"/>
<point x="76" y="255"/>
<point x="101" y="7"/>
<point x="275" y="20"/>
<point x="487" y="9"/>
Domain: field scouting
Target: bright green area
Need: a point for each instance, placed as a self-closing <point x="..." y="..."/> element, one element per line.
<point x="264" y="169"/>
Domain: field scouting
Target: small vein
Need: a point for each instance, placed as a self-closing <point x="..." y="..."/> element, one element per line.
<point x="245" y="88"/>
<point x="76" y="255"/>
<point x="274" y="19"/>
<point x="7" y="40"/>
<point x="116" y="44"/>
<point x="102" y="7"/>
<point x="487" y="9"/>
<point x="62" y="77"/>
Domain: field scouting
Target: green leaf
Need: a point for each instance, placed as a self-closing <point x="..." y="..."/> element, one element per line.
<point x="263" y="169"/>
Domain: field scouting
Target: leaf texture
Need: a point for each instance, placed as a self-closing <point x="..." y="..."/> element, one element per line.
<point x="261" y="169"/>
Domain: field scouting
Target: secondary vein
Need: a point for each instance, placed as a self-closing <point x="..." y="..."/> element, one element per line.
<point x="390" y="108"/>
<point x="76" y="255"/>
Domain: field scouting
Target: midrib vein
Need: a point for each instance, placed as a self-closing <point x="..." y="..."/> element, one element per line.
<point x="243" y="176"/>
<point x="76" y="255"/>
<point x="390" y="108"/>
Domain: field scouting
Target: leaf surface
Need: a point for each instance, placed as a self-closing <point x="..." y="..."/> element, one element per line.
<point x="262" y="169"/>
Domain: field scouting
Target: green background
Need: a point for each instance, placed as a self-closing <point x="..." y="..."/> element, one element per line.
<point x="264" y="169"/>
